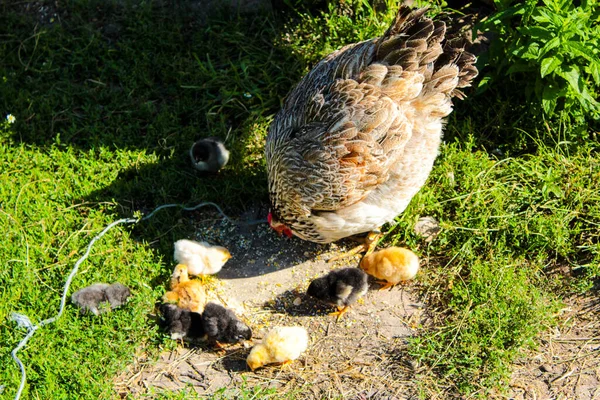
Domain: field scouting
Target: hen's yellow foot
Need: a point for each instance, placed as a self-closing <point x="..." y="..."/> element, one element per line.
<point x="368" y="246"/>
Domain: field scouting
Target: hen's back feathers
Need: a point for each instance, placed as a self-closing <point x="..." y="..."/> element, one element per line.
<point x="344" y="130"/>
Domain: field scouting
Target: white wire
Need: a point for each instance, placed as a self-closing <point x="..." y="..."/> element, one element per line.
<point x="24" y="322"/>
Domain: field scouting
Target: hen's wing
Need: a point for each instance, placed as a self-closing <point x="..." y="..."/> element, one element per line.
<point x="346" y="123"/>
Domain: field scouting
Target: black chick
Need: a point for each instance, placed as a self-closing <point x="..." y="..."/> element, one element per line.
<point x="181" y="323"/>
<point x="340" y="288"/>
<point x="209" y="155"/>
<point x="221" y="325"/>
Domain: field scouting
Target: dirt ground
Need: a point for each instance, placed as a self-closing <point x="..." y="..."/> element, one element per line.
<point x="359" y="357"/>
<point x="567" y="363"/>
<point x="265" y="284"/>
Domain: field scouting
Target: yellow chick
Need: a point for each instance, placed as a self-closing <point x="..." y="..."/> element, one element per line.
<point x="200" y="257"/>
<point x="392" y="265"/>
<point x="186" y="293"/>
<point x="282" y="345"/>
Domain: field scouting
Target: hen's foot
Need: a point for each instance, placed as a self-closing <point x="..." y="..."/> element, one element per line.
<point x="369" y="244"/>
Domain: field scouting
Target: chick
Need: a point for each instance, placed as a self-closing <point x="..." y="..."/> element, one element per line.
<point x="180" y="323"/>
<point x="392" y="265"/>
<point x="117" y="294"/>
<point x="221" y="325"/>
<point x="340" y="288"/>
<point x="209" y="155"/>
<point x="281" y="345"/>
<point x="91" y="298"/>
<point x="187" y="293"/>
<point x="200" y="257"/>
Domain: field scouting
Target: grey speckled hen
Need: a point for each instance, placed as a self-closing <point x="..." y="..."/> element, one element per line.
<point x="357" y="138"/>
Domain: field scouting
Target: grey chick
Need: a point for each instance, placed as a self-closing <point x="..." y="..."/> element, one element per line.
<point x="209" y="155"/>
<point x="89" y="298"/>
<point x="340" y="288"/>
<point x="221" y="325"/>
<point x="117" y="294"/>
<point x="180" y="323"/>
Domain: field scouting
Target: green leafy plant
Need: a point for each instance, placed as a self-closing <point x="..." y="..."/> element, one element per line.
<point x="552" y="49"/>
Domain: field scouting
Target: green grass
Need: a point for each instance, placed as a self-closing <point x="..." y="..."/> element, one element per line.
<point x="507" y="224"/>
<point x="108" y="98"/>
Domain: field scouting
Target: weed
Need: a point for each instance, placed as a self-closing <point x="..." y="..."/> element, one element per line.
<point x="552" y="50"/>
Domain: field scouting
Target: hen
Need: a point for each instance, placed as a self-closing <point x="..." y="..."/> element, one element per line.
<point x="357" y="138"/>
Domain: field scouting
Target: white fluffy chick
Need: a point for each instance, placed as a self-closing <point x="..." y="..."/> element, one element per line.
<point x="200" y="257"/>
<point x="282" y="345"/>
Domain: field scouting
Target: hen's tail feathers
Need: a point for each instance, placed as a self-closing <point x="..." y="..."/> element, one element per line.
<point x="416" y="43"/>
<point x="455" y="53"/>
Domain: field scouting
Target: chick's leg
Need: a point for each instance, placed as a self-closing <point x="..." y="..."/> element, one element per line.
<point x="285" y="364"/>
<point x="340" y="312"/>
<point x="369" y="244"/>
<point x="386" y="284"/>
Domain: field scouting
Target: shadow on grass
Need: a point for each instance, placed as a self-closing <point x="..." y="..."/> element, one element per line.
<point x="148" y="79"/>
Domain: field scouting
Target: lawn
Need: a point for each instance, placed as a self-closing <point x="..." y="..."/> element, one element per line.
<point x="107" y="98"/>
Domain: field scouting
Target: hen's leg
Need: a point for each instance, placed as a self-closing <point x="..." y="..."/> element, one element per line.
<point x="369" y="244"/>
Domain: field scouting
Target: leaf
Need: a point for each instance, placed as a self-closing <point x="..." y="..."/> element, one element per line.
<point x="484" y="84"/>
<point x="551" y="44"/>
<point x="589" y="103"/>
<point x="543" y="15"/>
<point x="594" y="69"/>
<point x="581" y="50"/>
<point x="550" y="95"/>
<point x="549" y="64"/>
<point x="536" y="32"/>
<point x="572" y="76"/>
<point x="531" y="52"/>
<point x="509" y="12"/>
